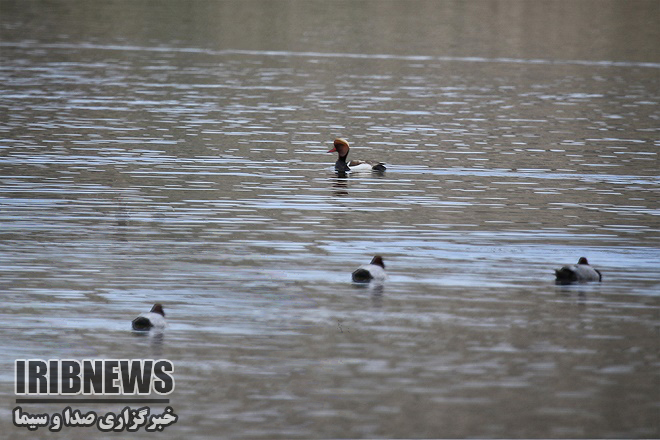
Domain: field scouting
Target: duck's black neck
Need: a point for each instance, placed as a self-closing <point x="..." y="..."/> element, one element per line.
<point x="341" y="164"/>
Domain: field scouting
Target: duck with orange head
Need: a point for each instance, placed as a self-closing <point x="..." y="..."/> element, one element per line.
<point x="341" y="147"/>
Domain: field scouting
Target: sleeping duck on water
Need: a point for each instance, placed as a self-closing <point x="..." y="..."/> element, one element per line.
<point x="374" y="271"/>
<point x="581" y="272"/>
<point x="153" y="319"/>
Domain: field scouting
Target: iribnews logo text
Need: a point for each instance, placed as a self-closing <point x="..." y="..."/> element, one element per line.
<point x="109" y="377"/>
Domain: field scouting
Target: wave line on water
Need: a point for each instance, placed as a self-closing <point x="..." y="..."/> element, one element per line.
<point x="285" y="53"/>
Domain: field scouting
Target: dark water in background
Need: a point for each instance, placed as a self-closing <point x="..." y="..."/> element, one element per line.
<point x="176" y="152"/>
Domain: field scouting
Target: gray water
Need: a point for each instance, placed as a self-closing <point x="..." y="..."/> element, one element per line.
<point x="176" y="152"/>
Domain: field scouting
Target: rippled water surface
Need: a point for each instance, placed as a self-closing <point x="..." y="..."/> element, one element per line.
<point x="178" y="154"/>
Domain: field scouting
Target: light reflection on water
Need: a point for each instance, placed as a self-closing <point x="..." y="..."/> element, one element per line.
<point x="200" y="179"/>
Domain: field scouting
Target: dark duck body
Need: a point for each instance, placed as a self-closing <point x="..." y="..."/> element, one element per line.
<point x="581" y="272"/>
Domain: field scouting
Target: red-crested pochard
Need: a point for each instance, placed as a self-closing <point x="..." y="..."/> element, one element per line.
<point x="154" y="319"/>
<point x="341" y="147"/>
<point x="374" y="271"/>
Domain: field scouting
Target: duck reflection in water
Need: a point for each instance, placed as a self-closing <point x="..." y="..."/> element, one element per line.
<point x="376" y="291"/>
<point x="340" y="186"/>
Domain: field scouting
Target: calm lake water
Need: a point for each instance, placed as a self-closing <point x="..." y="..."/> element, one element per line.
<point x="176" y="152"/>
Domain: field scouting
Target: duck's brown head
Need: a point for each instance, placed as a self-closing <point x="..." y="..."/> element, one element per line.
<point x="158" y="308"/>
<point x="341" y="147"/>
<point x="378" y="261"/>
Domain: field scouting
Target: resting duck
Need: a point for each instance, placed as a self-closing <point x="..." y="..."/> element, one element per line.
<point x="341" y="166"/>
<point x="578" y="273"/>
<point x="374" y="271"/>
<point x="154" y="319"/>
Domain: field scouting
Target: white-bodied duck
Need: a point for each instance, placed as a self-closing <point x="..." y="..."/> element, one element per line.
<point x="581" y="272"/>
<point x="374" y="271"/>
<point x="341" y="147"/>
<point x="155" y="319"/>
